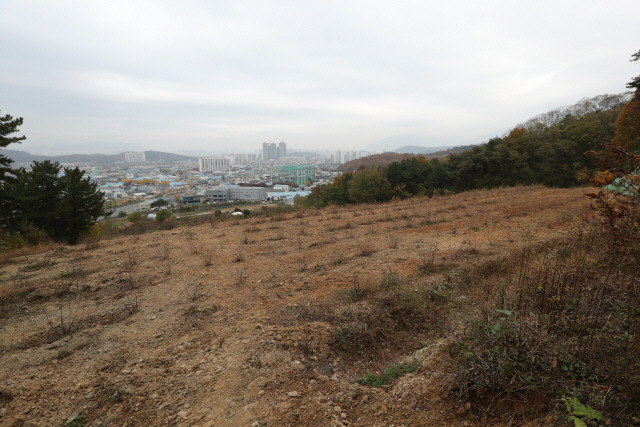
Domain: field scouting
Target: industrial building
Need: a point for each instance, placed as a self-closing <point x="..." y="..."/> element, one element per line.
<point x="225" y="193"/>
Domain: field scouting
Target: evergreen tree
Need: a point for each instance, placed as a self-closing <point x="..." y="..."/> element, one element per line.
<point x="8" y="126"/>
<point x="635" y="82"/>
<point x="62" y="206"/>
<point x="79" y="206"/>
<point x="37" y="194"/>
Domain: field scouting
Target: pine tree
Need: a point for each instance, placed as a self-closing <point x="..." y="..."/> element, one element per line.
<point x="80" y="205"/>
<point x="8" y="126"/>
<point x="36" y="194"/>
<point x="635" y="82"/>
<point x="64" y="207"/>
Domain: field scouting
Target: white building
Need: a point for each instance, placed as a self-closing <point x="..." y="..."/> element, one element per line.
<point x="134" y="156"/>
<point x="225" y="193"/>
<point x="214" y="164"/>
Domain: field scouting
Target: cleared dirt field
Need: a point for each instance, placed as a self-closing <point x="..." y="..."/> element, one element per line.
<point x="267" y="320"/>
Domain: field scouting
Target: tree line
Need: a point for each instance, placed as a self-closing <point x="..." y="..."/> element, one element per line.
<point x="552" y="155"/>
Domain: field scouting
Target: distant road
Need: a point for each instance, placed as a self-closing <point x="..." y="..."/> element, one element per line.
<point x="137" y="206"/>
<point x="126" y="209"/>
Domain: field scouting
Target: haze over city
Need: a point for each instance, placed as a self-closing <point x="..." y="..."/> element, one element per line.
<point x="205" y="77"/>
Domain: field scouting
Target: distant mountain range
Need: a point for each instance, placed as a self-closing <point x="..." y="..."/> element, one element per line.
<point x="389" y="157"/>
<point x="90" y="159"/>
<point x="414" y="149"/>
<point x="420" y="144"/>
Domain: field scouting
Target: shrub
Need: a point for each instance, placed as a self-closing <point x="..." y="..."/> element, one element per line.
<point x="562" y="325"/>
<point x="392" y="372"/>
<point x="135" y="217"/>
<point x="390" y="280"/>
<point x="163" y="215"/>
<point x="366" y="248"/>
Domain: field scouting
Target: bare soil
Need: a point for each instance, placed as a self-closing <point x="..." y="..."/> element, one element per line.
<point x="236" y="322"/>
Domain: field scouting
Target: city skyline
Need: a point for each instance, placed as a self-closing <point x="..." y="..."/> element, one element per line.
<point x="135" y="76"/>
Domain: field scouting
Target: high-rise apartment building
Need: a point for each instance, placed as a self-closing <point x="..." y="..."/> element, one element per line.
<point x="214" y="164"/>
<point x="134" y="157"/>
<point x="273" y="151"/>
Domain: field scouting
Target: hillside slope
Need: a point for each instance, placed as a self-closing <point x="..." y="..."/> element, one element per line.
<point x="382" y="159"/>
<point x="258" y="321"/>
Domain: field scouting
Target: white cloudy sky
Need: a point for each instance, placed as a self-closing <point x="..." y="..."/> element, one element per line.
<point x="98" y="76"/>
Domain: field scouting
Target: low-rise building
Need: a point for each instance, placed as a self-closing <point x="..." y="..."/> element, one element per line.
<point x="233" y="192"/>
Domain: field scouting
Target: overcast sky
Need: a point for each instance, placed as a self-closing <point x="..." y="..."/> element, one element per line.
<point x="206" y="76"/>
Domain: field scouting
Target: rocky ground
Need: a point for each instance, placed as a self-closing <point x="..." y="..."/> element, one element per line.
<point x="253" y="321"/>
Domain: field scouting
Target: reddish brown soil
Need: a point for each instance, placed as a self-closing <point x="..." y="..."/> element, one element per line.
<point x="228" y="343"/>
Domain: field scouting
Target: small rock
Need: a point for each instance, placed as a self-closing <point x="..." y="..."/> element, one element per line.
<point x="116" y="396"/>
<point x="183" y="414"/>
<point x="326" y="370"/>
<point x="343" y="415"/>
<point x="89" y="395"/>
<point x="255" y="424"/>
<point x="293" y="394"/>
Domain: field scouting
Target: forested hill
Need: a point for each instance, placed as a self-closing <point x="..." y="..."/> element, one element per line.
<point x="580" y="108"/>
<point x="382" y="159"/>
<point x="385" y="159"/>
<point x="552" y="155"/>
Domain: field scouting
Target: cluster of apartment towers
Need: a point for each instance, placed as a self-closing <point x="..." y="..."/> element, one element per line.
<point x="270" y="151"/>
<point x="273" y="151"/>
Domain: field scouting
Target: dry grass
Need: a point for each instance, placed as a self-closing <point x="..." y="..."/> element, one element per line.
<point x="286" y="298"/>
<point x="561" y="323"/>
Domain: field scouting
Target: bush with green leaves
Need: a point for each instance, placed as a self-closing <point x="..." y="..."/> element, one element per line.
<point x="135" y="217"/>
<point x="163" y="215"/>
<point x="377" y="380"/>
